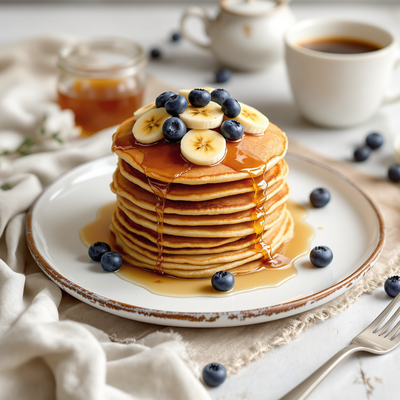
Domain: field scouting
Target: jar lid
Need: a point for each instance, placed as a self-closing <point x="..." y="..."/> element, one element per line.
<point x="102" y="57"/>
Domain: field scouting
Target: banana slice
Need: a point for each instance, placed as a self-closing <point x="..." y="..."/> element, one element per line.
<point x="203" y="147"/>
<point x="252" y="120"/>
<point x="185" y="92"/>
<point x="207" y="117"/>
<point x="143" y="110"/>
<point x="148" y="128"/>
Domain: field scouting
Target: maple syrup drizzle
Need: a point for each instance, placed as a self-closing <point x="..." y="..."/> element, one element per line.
<point x="175" y="165"/>
<point x="271" y="274"/>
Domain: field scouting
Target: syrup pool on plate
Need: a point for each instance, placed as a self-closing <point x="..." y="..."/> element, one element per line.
<point x="164" y="285"/>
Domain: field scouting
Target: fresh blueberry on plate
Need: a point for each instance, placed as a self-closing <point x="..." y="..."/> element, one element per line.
<point x="163" y="98"/>
<point x="374" y="140"/>
<point x="155" y="53"/>
<point x="231" y="108"/>
<point x="320" y="197"/>
<point x="223" y="281"/>
<point x="231" y="129"/>
<point x="362" y="153"/>
<point x="214" y="374"/>
<point x="219" y="95"/>
<point x="96" y="250"/>
<point x="223" y="75"/>
<point x="174" y="129"/>
<point x="176" y="37"/>
<point x="199" y="97"/>
<point x="111" y="261"/>
<point x="392" y="286"/>
<point x="176" y="105"/>
<point x="394" y="173"/>
<point x="321" y="256"/>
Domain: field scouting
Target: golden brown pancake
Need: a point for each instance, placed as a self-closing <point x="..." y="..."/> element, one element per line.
<point x="269" y="148"/>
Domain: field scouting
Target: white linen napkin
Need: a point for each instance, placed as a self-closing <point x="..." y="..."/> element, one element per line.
<point x="40" y="356"/>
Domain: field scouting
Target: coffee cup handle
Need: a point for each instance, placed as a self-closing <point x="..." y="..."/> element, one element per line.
<point x="199" y="13"/>
<point x="393" y="97"/>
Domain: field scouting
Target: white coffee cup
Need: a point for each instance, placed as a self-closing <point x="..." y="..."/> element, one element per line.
<point x="340" y="90"/>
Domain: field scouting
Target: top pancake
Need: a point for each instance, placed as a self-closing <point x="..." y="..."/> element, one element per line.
<point x="265" y="150"/>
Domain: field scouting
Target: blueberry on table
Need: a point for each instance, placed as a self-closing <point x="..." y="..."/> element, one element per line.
<point x="219" y="95"/>
<point x="176" y="37"/>
<point x="155" y="53"/>
<point x="223" y="281"/>
<point x="199" y="97"/>
<point x="214" y="374"/>
<point x="320" y="197"/>
<point x="231" y="108"/>
<point x="223" y="75"/>
<point x="394" y="173"/>
<point x="96" y="250"/>
<point x="321" y="256"/>
<point x="174" y="129"/>
<point x="111" y="261"/>
<point x="176" y="105"/>
<point x="231" y="129"/>
<point x="392" y="286"/>
<point x="374" y="140"/>
<point x="163" y="98"/>
<point x="362" y="153"/>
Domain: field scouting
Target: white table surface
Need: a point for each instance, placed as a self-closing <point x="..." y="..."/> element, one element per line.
<point x="360" y="376"/>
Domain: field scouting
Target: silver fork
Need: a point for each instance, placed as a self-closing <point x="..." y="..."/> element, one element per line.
<point x="376" y="339"/>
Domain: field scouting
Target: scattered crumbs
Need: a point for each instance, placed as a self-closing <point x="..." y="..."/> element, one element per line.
<point x="337" y="331"/>
<point x="6" y="186"/>
<point x="320" y="228"/>
<point x="157" y="281"/>
<point x="243" y="395"/>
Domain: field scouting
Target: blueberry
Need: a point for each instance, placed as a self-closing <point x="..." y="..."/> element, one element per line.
<point x="214" y="374"/>
<point x="231" y="108"/>
<point x="374" y="140"/>
<point x="320" y="197"/>
<point x="362" y="153"/>
<point x="222" y="281"/>
<point x="219" y="95"/>
<point x="394" y="173"/>
<point x="155" y="53"/>
<point x="162" y="98"/>
<point x="96" y="250"/>
<point x="232" y="129"/>
<point x="176" y="105"/>
<point x="223" y="75"/>
<point x="175" y="37"/>
<point x="199" y="97"/>
<point x="111" y="261"/>
<point x="174" y="129"/>
<point x="321" y="256"/>
<point x="392" y="286"/>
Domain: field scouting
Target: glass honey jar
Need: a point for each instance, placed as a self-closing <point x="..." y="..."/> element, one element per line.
<point x="102" y="81"/>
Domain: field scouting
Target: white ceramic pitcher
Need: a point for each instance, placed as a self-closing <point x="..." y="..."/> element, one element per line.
<point x="247" y="35"/>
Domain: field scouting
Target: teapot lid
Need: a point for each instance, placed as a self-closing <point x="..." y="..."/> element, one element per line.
<point x="250" y="7"/>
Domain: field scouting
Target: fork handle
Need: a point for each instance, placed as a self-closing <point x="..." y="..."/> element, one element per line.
<point x="301" y="391"/>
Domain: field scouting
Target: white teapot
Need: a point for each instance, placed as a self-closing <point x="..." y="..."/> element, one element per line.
<point x="247" y="35"/>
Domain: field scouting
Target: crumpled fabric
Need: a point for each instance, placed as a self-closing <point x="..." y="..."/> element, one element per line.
<point x="42" y="357"/>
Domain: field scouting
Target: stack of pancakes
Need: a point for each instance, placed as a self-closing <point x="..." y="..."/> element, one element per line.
<point x="207" y="219"/>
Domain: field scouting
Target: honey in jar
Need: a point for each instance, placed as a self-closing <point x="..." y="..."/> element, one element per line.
<point x="101" y="81"/>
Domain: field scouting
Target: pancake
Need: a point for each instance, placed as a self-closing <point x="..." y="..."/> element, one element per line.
<point x="268" y="152"/>
<point x="197" y="271"/>
<point x="188" y="220"/>
<point x="226" y="205"/>
<point x="178" y="191"/>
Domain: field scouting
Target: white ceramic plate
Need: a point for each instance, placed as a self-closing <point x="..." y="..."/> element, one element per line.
<point x="351" y="226"/>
